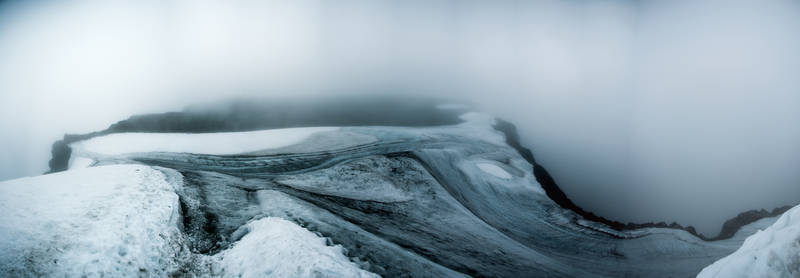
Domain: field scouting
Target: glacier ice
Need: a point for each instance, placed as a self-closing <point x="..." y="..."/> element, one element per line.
<point x="444" y="201"/>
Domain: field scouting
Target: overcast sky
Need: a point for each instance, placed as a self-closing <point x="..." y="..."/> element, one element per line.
<point x="642" y="110"/>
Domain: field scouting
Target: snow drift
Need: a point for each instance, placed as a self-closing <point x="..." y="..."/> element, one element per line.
<point x="102" y="221"/>
<point x="773" y="252"/>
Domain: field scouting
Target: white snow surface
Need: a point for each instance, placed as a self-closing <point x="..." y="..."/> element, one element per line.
<point x="275" y="247"/>
<point x="123" y="221"/>
<point x="773" y="252"/>
<point x="108" y="221"/>
<point x="220" y="143"/>
<point x="494" y="170"/>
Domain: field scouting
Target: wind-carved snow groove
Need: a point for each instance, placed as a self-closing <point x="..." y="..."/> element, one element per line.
<point x="212" y="211"/>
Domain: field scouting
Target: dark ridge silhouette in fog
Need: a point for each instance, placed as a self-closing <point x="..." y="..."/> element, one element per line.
<point x="555" y="193"/>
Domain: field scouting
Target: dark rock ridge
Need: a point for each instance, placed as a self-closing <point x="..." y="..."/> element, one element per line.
<point x="248" y="115"/>
<point x="555" y="193"/>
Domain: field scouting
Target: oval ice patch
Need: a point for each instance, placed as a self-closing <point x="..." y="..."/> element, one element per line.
<point x="494" y="170"/>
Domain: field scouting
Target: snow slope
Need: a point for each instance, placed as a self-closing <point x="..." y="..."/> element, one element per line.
<point x="106" y="221"/>
<point x="125" y="221"/>
<point x="206" y="143"/>
<point x="275" y="247"/>
<point x="773" y="252"/>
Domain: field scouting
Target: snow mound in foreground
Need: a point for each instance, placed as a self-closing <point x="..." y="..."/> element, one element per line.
<point x="104" y="221"/>
<point x="275" y="247"/>
<point x="773" y="252"/>
<point x="124" y="221"/>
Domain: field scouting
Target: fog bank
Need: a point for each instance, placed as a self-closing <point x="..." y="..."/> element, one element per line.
<point x="641" y="110"/>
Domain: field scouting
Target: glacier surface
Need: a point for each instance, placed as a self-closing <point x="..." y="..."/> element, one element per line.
<point x="446" y="201"/>
<point x="100" y="221"/>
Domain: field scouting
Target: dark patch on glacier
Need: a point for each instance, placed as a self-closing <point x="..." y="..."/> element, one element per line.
<point x="213" y="208"/>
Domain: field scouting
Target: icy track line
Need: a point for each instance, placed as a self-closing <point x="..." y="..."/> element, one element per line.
<point x="123" y="221"/>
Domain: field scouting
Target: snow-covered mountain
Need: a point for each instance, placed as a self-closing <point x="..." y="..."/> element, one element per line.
<point x="411" y="191"/>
